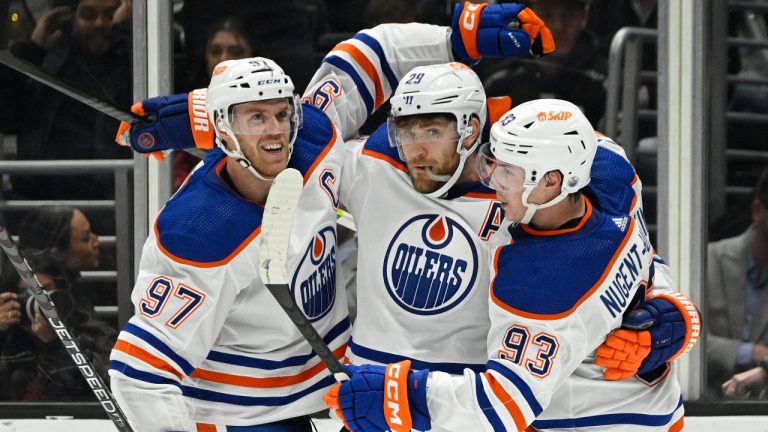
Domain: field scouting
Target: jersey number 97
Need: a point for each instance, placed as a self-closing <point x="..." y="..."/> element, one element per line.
<point x="162" y="291"/>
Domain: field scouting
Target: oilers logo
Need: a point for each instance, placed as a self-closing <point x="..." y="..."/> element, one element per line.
<point x="430" y="265"/>
<point x="314" y="282"/>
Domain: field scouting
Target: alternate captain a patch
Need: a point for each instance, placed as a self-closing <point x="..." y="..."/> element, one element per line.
<point x="314" y="282"/>
<point x="430" y="264"/>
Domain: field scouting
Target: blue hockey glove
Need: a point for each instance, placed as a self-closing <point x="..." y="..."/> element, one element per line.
<point x="657" y="331"/>
<point x="498" y="30"/>
<point x="178" y="122"/>
<point x="382" y="398"/>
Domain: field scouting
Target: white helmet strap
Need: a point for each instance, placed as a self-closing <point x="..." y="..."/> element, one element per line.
<point x="463" y="155"/>
<point x="237" y="153"/>
<point x="531" y="208"/>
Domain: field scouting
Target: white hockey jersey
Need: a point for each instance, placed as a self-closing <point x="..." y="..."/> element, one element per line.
<point x="206" y="328"/>
<point x="422" y="264"/>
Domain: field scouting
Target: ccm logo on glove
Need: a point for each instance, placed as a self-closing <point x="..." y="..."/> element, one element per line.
<point x="394" y="393"/>
<point x="469" y="17"/>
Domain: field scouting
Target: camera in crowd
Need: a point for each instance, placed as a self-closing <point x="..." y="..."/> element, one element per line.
<point x="60" y="298"/>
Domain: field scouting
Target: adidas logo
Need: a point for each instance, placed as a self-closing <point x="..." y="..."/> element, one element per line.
<point x="621" y="222"/>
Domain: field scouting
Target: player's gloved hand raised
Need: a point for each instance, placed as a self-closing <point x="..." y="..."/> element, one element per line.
<point x="177" y="122"/>
<point x="657" y="331"/>
<point x="498" y="30"/>
<point x="382" y="398"/>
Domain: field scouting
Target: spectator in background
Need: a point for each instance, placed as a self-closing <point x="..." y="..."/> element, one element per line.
<point x="66" y="232"/>
<point x="87" y="45"/>
<point x="34" y="365"/>
<point x="297" y="22"/>
<point x="737" y="278"/>
<point x="228" y="39"/>
<point x="568" y="73"/>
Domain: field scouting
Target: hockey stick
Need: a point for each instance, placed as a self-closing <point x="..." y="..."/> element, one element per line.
<point x="63" y="87"/>
<point x="58" y="84"/>
<point x="48" y="309"/>
<point x="275" y="235"/>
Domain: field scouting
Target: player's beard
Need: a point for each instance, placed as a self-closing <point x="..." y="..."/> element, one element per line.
<point x="437" y="176"/>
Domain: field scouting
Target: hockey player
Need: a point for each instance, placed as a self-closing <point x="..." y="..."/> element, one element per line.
<point x="561" y="282"/>
<point x="208" y="345"/>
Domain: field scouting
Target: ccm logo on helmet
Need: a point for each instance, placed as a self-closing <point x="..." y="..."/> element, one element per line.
<point x="269" y="81"/>
<point x="554" y="115"/>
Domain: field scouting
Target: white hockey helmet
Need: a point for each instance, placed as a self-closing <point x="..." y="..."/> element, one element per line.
<point x="541" y="136"/>
<point x="451" y="88"/>
<point x="248" y="80"/>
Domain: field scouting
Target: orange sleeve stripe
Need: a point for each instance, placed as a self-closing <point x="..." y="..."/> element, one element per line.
<point x="205" y="427"/>
<point x="386" y="159"/>
<point x="150" y="359"/>
<point x="636" y="198"/>
<point x="583" y="298"/>
<point x="367" y="67"/>
<point x="270" y="382"/>
<point x="678" y="425"/>
<point x="322" y="154"/>
<point x="509" y="403"/>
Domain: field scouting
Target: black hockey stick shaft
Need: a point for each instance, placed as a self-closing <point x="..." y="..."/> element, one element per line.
<point x="58" y="84"/>
<point x="48" y="309"/>
<point x="282" y="294"/>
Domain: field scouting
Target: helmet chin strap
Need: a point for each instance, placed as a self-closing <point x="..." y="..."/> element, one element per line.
<point x="531" y="208"/>
<point x="245" y="163"/>
<point x="463" y="155"/>
<point x="238" y="155"/>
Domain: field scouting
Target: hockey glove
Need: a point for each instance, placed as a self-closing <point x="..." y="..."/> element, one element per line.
<point x="178" y="122"/>
<point x="382" y="398"/>
<point x="657" y="331"/>
<point x="498" y="30"/>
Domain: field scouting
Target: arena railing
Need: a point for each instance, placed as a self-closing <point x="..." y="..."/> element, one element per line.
<point x="122" y="206"/>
